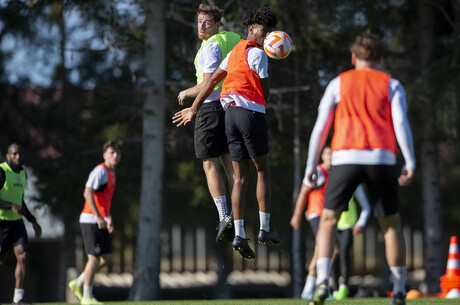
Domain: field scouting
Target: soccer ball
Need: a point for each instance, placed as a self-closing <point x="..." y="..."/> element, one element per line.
<point x="278" y="45"/>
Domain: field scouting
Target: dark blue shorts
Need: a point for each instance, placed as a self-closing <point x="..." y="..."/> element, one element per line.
<point x="381" y="181"/>
<point x="96" y="241"/>
<point x="210" y="140"/>
<point x="247" y="133"/>
<point x="12" y="233"/>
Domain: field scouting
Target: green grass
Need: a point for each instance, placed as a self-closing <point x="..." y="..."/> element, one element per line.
<point x="349" y="301"/>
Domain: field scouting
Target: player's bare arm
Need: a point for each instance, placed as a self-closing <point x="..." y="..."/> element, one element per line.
<point x="265" y="82"/>
<point x="186" y="115"/>
<point x="300" y="205"/>
<point x="88" y="195"/>
<point x="406" y="177"/>
<point x="193" y="91"/>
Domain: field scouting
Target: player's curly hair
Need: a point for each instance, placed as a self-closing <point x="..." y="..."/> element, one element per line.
<point x="212" y="10"/>
<point x="264" y="16"/>
<point x="367" y="46"/>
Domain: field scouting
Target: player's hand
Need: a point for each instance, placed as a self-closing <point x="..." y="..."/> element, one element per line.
<point x="296" y="220"/>
<point x="37" y="229"/>
<point x="357" y="230"/>
<point x="110" y="225"/>
<point x="181" y="97"/>
<point x="406" y="177"/>
<point x="183" y="117"/>
<point x="17" y="209"/>
<point x="101" y="223"/>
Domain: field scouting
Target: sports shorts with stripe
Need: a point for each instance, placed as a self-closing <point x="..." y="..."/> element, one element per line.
<point x="209" y="136"/>
<point x="381" y="182"/>
<point x="247" y="133"/>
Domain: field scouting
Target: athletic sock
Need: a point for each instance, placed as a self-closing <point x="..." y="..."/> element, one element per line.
<point x="323" y="265"/>
<point x="399" y="279"/>
<point x="87" y="292"/>
<point x="264" y="221"/>
<point x="18" y="295"/>
<point x="309" y="284"/>
<point x="221" y="205"/>
<point x="239" y="228"/>
<point x="80" y="279"/>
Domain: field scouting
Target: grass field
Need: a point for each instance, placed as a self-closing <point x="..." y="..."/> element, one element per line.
<point x="349" y="301"/>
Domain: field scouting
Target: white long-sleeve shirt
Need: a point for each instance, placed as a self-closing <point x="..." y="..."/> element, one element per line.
<point x="326" y="111"/>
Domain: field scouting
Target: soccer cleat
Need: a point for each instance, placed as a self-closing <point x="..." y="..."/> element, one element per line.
<point x="90" y="301"/>
<point x="75" y="289"/>
<point x="268" y="238"/>
<point x="225" y="230"/>
<point x="398" y="299"/>
<point x="306" y="295"/>
<point x="321" y="293"/>
<point x="21" y="302"/>
<point x="341" y="294"/>
<point x="241" y="245"/>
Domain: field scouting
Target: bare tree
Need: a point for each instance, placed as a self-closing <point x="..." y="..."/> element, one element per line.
<point x="147" y="262"/>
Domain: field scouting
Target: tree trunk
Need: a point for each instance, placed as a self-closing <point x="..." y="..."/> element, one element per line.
<point x="429" y="161"/>
<point x="298" y="253"/>
<point x="146" y="273"/>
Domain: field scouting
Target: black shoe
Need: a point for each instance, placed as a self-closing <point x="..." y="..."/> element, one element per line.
<point x="241" y="245"/>
<point x="225" y="232"/>
<point x="268" y="238"/>
<point x="21" y="302"/>
<point x="398" y="299"/>
<point x="321" y="293"/>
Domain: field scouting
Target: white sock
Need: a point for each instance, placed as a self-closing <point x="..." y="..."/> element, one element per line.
<point x="323" y="265"/>
<point x="87" y="292"/>
<point x="309" y="284"/>
<point x="264" y="221"/>
<point x="239" y="228"/>
<point x="18" y="295"/>
<point x="399" y="279"/>
<point x="221" y="205"/>
<point x="80" y="279"/>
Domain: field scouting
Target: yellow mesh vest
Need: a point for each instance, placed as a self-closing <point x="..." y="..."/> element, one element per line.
<point x="226" y="41"/>
<point x="12" y="191"/>
<point x="350" y="217"/>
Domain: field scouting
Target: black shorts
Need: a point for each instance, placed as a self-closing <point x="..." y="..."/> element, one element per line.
<point x="210" y="140"/>
<point x="314" y="224"/>
<point x="12" y="233"/>
<point x="381" y="181"/>
<point x="96" y="241"/>
<point x="247" y="133"/>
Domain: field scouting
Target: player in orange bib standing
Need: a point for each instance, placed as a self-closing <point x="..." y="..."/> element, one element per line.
<point x="245" y="92"/>
<point x="368" y="108"/>
<point x="96" y="222"/>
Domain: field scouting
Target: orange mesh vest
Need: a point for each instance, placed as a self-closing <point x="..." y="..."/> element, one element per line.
<point x="240" y="77"/>
<point x="363" y="115"/>
<point x="103" y="199"/>
<point x="316" y="197"/>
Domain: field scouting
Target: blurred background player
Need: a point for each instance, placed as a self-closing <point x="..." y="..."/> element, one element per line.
<point x="245" y="91"/>
<point x="368" y="108"/>
<point x="96" y="222"/>
<point x="348" y="222"/>
<point x="209" y="135"/>
<point x="12" y="209"/>
<point x="348" y="226"/>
